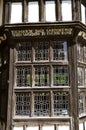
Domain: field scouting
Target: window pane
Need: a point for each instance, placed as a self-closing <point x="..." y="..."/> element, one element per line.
<point x="61" y="103"/>
<point x="42" y="51"/>
<point x="23" y="76"/>
<point x="60" y="75"/>
<point x="85" y="77"/>
<point x="42" y="76"/>
<point x="80" y="76"/>
<point x="81" y="103"/>
<point x="24" y="52"/>
<point x="16" y="12"/>
<point x="66" y="10"/>
<point x="80" y="52"/>
<point x="33" y="12"/>
<point x="23" y="104"/>
<point x="83" y="14"/>
<point x="41" y="104"/>
<point x="59" y="50"/>
<point x="50" y="10"/>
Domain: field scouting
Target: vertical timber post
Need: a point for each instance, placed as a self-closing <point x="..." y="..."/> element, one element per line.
<point x="74" y="86"/>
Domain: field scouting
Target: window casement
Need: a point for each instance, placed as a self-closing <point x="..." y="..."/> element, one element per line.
<point x="23" y="51"/>
<point x="22" y="104"/>
<point x="23" y="78"/>
<point x="59" y="51"/>
<point x="80" y="76"/>
<point x="60" y="76"/>
<point x="61" y="103"/>
<point x="82" y="104"/>
<point x="80" y="52"/>
<point x="41" y="76"/>
<point x="42" y="103"/>
<point x="42" y="51"/>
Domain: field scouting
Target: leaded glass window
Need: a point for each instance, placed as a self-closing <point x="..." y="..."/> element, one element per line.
<point x="84" y="53"/>
<point x="80" y="76"/>
<point x="41" y="75"/>
<point x="23" y="76"/>
<point x="23" y="104"/>
<point x="24" y="52"/>
<point x="61" y="103"/>
<point x="85" y="77"/>
<point x="59" y="50"/>
<point x="60" y="75"/>
<point x="81" y="103"/>
<point x="42" y="104"/>
<point x="42" y="51"/>
<point x="80" y="52"/>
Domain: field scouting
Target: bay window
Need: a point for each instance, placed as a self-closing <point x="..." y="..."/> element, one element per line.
<point x="38" y="68"/>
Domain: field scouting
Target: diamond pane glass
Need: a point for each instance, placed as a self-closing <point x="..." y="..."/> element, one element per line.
<point x="80" y="76"/>
<point x="22" y="103"/>
<point x="41" y="104"/>
<point x="24" y="52"/>
<point x="59" y="50"/>
<point x="41" y="76"/>
<point x="61" y="103"/>
<point x="80" y="52"/>
<point x="81" y="103"/>
<point x="23" y="76"/>
<point x="60" y="75"/>
<point x="41" y="51"/>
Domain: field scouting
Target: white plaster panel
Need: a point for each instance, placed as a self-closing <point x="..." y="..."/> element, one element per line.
<point x="32" y="128"/>
<point x="85" y="125"/>
<point x="81" y="126"/>
<point x="48" y="127"/>
<point x="18" y="128"/>
<point x="64" y="127"/>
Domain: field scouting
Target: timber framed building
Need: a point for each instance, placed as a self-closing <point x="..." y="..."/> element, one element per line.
<point x="42" y="64"/>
